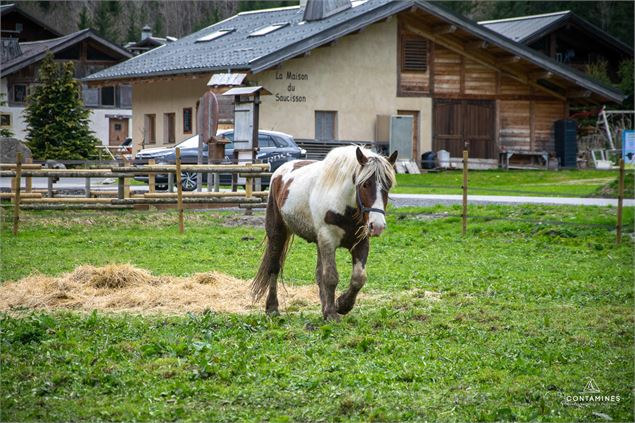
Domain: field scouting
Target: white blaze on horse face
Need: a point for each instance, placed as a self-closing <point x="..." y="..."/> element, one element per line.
<point x="377" y="221"/>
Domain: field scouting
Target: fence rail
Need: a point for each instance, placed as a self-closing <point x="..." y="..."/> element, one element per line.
<point x="122" y="197"/>
<point x="248" y="199"/>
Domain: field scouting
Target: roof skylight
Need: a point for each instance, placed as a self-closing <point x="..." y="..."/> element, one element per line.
<point x="215" y="35"/>
<point x="267" y="29"/>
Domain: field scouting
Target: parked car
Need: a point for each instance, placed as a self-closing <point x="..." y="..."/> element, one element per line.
<point x="275" y="148"/>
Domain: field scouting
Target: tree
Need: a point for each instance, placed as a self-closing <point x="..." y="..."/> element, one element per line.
<point x="57" y="121"/>
<point x="84" y="19"/>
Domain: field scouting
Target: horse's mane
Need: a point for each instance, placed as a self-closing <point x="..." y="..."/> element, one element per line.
<point x="340" y="164"/>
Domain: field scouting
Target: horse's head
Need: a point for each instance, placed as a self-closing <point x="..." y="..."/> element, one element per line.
<point x="372" y="184"/>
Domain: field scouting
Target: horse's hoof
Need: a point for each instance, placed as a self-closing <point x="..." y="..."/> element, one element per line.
<point x="343" y="308"/>
<point x="332" y="317"/>
<point x="273" y="313"/>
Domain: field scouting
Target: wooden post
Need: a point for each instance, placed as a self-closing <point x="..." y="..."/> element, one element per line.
<point x="126" y="182"/>
<point x="49" y="187"/>
<point x="87" y="188"/>
<point x="248" y="183"/>
<point x="179" y="190"/>
<point x="151" y="177"/>
<point x="464" y="219"/>
<point x="620" y="204"/>
<point x="29" y="179"/>
<point x="16" y="200"/>
<point x="121" y="191"/>
<point x="170" y="182"/>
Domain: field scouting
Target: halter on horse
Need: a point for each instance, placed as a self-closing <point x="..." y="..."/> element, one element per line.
<point x="337" y="202"/>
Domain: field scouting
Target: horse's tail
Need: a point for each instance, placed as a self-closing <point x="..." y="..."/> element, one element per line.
<point x="276" y="247"/>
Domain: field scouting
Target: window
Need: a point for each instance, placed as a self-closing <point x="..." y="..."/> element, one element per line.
<point x="91" y="96"/>
<point x="325" y="126"/>
<point x="414" y="54"/>
<point x="214" y="35"/>
<point x="19" y="93"/>
<point x="267" y="29"/>
<point x="168" y="128"/>
<point x="108" y="96"/>
<point x="265" y="141"/>
<point x="125" y="96"/>
<point x="187" y="120"/>
<point x="149" y="129"/>
<point x="5" y="120"/>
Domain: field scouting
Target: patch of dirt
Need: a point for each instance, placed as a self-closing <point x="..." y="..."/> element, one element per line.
<point x="256" y="221"/>
<point x="125" y="288"/>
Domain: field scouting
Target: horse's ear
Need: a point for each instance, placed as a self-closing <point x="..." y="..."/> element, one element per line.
<point x="393" y="158"/>
<point x="360" y="157"/>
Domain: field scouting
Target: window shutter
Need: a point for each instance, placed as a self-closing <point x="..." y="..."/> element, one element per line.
<point x="414" y="54"/>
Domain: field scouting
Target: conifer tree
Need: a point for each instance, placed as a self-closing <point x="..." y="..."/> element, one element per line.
<point x="57" y="121"/>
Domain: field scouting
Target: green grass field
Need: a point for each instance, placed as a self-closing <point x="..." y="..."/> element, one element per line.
<point x="564" y="183"/>
<point x="526" y="314"/>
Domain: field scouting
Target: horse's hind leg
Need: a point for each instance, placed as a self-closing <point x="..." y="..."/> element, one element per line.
<point x="266" y="279"/>
<point x="278" y="237"/>
<point x="346" y="301"/>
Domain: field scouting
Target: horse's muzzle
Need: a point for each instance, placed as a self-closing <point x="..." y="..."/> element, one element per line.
<point x="376" y="229"/>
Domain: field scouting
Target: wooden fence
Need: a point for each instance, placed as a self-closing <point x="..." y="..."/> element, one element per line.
<point x="122" y="197"/>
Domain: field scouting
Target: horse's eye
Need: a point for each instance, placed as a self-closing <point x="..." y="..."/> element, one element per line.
<point x="366" y="184"/>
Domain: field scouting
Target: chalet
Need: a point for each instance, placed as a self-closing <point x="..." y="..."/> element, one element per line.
<point x="25" y="43"/>
<point x="566" y="38"/>
<point x="337" y="68"/>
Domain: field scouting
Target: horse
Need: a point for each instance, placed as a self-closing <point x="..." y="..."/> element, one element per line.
<point x="337" y="202"/>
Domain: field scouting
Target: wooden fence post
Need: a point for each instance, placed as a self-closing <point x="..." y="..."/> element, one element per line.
<point x="620" y="204"/>
<point x="151" y="177"/>
<point x="179" y="190"/>
<point x="16" y="200"/>
<point x="464" y="217"/>
<point x="29" y="179"/>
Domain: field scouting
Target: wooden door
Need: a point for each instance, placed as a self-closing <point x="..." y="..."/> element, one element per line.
<point x="459" y="121"/>
<point x="117" y="131"/>
<point x="415" y="132"/>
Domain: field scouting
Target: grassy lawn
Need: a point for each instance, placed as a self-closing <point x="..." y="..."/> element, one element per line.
<point x="564" y="183"/>
<point x="526" y="314"/>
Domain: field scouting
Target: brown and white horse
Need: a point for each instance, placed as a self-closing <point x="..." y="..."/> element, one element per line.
<point x="337" y="202"/>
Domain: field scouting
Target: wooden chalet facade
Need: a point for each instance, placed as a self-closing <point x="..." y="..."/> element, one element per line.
<point x="333" y="78"/>
<point x="25" y="42"/>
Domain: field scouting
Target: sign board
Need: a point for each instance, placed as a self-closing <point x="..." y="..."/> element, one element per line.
<point x="207" y="117"/>
<point x="628" y="146"/>
<point x="401" y="136"/>
<point x="243" y="124"/>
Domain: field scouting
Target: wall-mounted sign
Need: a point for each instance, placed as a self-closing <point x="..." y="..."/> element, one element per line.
<point x="288" y="94"/>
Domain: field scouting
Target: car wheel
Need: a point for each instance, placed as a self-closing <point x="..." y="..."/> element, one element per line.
<point x="188" y="181"/>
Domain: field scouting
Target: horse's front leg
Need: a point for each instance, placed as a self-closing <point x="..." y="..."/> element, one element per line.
<point x="329" y="279"/>
<point x="359" y="253"/>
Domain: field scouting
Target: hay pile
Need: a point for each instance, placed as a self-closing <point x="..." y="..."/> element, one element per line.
<point x="126" y="288"/>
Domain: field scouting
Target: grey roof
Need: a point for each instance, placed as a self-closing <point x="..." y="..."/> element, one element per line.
<point x="35" y="51"/>
<point x="7" y="8"/>
<point x="521" y="28"/>
<point x="238" y="51"/>
<point x="527" y="29"/>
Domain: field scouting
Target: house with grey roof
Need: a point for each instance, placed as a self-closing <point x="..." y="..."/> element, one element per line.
<point x="566" y="38"/>
<point x="147" y="42"/>
<point x="110" y="104"/>
<point x="338" y="70"/>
